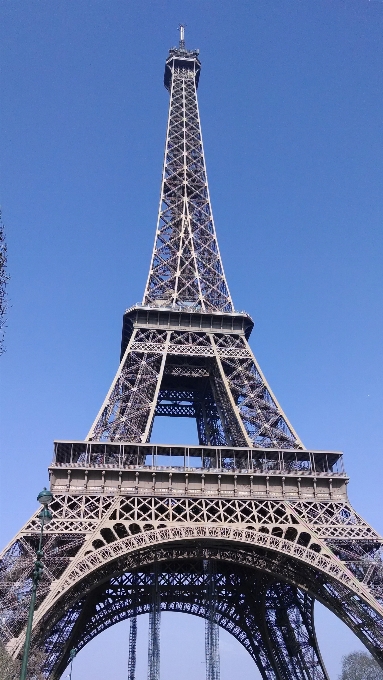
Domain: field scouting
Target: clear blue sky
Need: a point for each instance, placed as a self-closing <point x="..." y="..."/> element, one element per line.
<point x="291" y="100"/>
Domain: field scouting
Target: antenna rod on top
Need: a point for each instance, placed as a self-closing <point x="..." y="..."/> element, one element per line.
<point x="181" y="29"/>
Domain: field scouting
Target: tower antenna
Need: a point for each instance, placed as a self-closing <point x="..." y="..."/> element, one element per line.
<point x="181" y="29"/>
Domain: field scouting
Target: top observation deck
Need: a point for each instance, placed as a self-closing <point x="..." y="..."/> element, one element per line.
<point x="182" y="61"/>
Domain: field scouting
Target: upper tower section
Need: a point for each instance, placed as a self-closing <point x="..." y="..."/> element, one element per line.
<point x="180" y="59"/>
<point x="186" y="271"/>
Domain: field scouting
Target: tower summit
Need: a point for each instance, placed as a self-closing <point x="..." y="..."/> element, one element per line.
<point x="246" y="529"/>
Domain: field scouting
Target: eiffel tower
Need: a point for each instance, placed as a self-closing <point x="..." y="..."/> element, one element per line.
<point x="246" y="529"/>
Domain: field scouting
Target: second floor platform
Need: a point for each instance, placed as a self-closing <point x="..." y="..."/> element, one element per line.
<point x="153" y="469"/>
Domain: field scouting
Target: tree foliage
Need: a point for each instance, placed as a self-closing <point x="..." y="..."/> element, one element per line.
<point x="10" y="669"/>
<point x="3" y="284"/>
<point x="360" y="666"/>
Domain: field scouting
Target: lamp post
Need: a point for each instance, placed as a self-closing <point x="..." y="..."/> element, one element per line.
<point x="72" y="654"/>
<point x="45" y="498"/>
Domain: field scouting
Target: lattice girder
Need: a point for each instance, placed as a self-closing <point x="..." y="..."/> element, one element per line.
<point x="238" y="608"/>
<point x="263" y="561"/>
<point x="270" y="531"/>
<point x="186" y="268"/>
<point x="236" y="408"/>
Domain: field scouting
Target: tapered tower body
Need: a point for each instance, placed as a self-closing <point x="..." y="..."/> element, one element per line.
<point x="245" y="529"/>
<point x="187" y="314"/>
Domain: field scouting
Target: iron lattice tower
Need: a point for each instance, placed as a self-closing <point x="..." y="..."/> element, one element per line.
<point x="248" y="528"/>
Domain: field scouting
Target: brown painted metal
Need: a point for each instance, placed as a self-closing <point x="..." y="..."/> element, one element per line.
<point x="273" y="516"/>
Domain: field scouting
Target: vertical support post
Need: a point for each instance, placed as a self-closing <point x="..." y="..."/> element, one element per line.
<point x="154" y="630"/>
<point x="211" y="627"/>
<point x="133" y="632"/>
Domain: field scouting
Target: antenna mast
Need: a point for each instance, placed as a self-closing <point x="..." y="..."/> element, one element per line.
<point x="181" y="29"/>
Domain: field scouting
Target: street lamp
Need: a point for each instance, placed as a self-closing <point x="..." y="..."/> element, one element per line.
<point x="45" y="498"/>
<point x="72" y="654"/>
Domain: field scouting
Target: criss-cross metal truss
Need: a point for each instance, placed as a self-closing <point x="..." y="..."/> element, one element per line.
<point x="210" y="376"/>
<point x="304" y="549"/>
<point x="246" y="529"/>
<point x="186" y="269"/>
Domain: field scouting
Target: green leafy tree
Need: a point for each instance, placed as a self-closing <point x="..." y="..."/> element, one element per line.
<point x="10" y="669"/>
<point x="4" y="278"/>
<point x="360" y="666"/>
<point x="35" y="665"/>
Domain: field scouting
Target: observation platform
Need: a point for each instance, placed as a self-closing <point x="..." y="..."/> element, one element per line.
<point x="83" y="467"/>
<point x="180" y="58"/>
<point x="165" y="318"/>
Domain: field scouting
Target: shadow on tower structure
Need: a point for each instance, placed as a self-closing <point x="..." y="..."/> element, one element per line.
<point x="245" y="530"/>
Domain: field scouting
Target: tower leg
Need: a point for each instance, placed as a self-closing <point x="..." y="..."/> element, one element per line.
<point x="290" y="634"/>
<point x="132" y="648"/>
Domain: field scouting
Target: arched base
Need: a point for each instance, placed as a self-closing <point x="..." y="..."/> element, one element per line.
<point x="290" y="573"/>
<point x="273" y="619"/>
